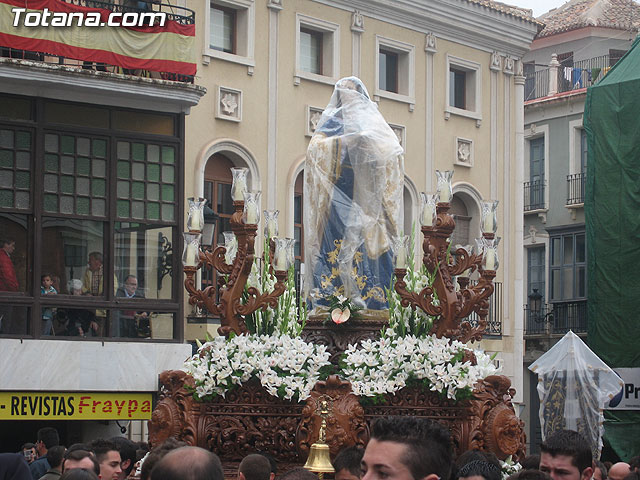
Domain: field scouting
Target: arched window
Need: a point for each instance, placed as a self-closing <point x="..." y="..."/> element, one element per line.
<point x="217" y="190"/>
<point x="461" y="234"/>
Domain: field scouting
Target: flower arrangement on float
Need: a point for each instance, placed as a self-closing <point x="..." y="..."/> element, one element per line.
<point x="407" y="355"/>
<point x="272" y="351"/>
<point x="288" y="367"/>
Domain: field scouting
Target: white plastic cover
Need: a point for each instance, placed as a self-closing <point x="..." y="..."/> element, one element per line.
<point x="354" y="179"/>
<point x="573" y="385"/>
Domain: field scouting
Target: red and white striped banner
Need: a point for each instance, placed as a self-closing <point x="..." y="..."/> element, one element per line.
<point x="168" y="48"/>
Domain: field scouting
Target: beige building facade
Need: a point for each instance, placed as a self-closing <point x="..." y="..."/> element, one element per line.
<point x="446" y="75"/>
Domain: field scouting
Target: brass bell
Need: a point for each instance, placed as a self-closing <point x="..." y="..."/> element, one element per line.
<point x="319" y="460"/>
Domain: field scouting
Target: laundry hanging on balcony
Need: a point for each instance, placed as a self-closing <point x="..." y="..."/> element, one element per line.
<point x="167" y="48"/>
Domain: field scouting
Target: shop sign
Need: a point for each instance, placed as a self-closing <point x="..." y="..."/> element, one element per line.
<point x="628" y="398"/>
<point x="74" y="406"/>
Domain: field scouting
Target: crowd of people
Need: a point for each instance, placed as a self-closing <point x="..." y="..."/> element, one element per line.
<point x="400" y="448"/>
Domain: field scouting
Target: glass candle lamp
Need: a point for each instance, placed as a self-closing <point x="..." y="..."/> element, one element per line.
<point x="239" y="185"/>
<point x="251" y="214"/>
<point x="191" y="252"/>
<point x="489" y="220"/>
<point x="428" y="215"/>
<point x="490" y="254"/>
<point x="401" y="250"/>
<point x="281" y="256"/>
<point x="271" y="223"/>
<point x="445" y="191"/>
<point x="195" y="216"/>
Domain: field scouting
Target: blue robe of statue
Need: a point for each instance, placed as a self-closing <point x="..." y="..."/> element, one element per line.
<point x="353" y="201"/>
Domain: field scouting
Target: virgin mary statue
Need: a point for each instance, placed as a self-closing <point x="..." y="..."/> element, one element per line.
<point x="354" y="179"/>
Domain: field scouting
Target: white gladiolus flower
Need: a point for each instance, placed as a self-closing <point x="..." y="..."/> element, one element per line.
<point x="386" y="365"/>
<point x="222" y="363"/>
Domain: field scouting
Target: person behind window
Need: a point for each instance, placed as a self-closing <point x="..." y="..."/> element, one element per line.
<point x="8" y="279"/>
<point x="93" y="284"/>
<point x="75" y="322"/>
<point x="8" y="283"/>
<point x="129" y="321"/>
<point x="47" y="288"/>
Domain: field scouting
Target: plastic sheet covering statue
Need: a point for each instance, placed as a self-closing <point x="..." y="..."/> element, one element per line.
<point x="573" y="385"/>
<point x="354" y="180"/>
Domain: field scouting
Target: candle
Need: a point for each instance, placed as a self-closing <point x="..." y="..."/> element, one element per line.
<point x="444" y="194"/>
<point x="281" y="260"/>
<point x="487" y="225"/>
<point x="239" y="187"/>
<point x="427" y="215"/>
<point x="195" y="221"/>
<point x="401" y="257"/>
<point x="490" y="259"/>
<point x="192" y="256"/>
<point x="272" y="228"/>
<point x="252" y="214"/>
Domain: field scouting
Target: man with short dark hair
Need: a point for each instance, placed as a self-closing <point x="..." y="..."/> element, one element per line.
<point x="54" y="455"/>
<point x="108" y="458"/>
<point x="566" y="455"/>
<point x="47" y="438"/>
<point x="298" y="473"/>
<point x="188" y="463"/>
<point x="254" y="467"/>
<point x="127" y="451"/>
<point x="600" y="471"/>
<point x="79" y="456"/>
<point x="347" y="463"/>
<point x="407" y="448"/>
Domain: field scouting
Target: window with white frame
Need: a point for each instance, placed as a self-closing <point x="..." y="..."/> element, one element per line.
<point x="464" y="88"/>
<point x="229" y="28"/>
<point x="222" y="34"/>
<point x="396" y="70"/>
<point x="317" y="50"/>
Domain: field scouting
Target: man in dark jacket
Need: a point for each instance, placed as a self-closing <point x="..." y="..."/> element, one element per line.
<point x="54" y="456"/>
<point x="47" y="438"/>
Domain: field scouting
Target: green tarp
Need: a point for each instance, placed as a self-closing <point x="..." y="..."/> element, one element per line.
<point x="612" y="212"/>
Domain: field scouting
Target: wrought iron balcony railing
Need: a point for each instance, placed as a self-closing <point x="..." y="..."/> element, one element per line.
<point x="534" y="195"/>
<point x="556" y="318"/>
<point x="494" y="319"/>
<point x="536" y="85"/>
<point x="575" y="188"/>
<point x="567" y="77"/>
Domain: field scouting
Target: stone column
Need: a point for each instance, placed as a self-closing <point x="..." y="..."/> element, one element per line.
<point x="518" y="231"/>
<point x="272" y="117"/>
<point x="553" y="74"/>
